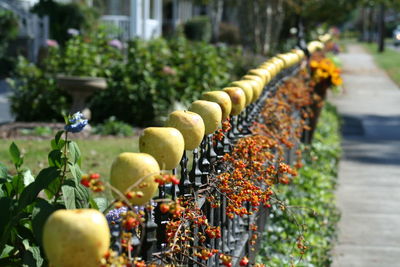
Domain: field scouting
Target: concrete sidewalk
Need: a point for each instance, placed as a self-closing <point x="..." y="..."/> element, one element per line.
<point x="369" y="177"/>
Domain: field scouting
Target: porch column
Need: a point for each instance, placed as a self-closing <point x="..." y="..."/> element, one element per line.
<point x="158" y="16"/>
<point x="136" y="18"/>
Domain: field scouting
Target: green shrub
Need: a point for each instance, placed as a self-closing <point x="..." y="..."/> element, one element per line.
<point x="114" y="127"/>
<point x="198" y="29"/>
<point x="158" y="74"/>
<point x="312" y="213"/>
<point x="65" y="16"/>
<point x="143" y="85"/>
<point x="8" y="32"/>
<point x="36" y="96"/>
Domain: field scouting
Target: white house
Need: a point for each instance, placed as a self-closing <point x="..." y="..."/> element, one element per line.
<point x="134" y="18"/>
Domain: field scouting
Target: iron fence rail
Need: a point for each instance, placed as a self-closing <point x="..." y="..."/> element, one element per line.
<point x="193" y="179"/>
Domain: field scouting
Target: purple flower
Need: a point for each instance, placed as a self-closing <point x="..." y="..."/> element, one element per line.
<point x="73" y="32"/>
<point x="52" y="43"/>
<point x="114" y="215"/>
<point x="76" y="123"/>
<point x="116" y="43"/>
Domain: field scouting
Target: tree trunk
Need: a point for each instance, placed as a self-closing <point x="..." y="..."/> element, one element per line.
<point x="216" y="10"/>
<point x="381" y="29"/>
<point x="370" y="24"/>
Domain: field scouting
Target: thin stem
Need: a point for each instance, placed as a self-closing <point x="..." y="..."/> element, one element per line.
<point x="64" y="171"/>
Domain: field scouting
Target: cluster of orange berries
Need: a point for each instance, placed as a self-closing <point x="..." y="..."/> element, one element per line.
<point x="206" y="253"/>
<point x="93" y="182"/>
<point x="173" y="208"/>
<point x="166" y="179"/>
<point x="220" y="133"/>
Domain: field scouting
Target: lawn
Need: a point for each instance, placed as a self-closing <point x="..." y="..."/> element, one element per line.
<point x="97" y="155"/>
<point x="389" y="60"/>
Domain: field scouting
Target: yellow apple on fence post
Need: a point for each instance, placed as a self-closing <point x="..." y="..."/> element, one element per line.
<point x="222" y="99"/>
<point x="191" y="126"/>
<point x="165" y="144"/>
<point x="211" y="113"/>
<point x="270" y="67"/>
<point x="73" y="238"/>
<point x="262" y="73"/>
<point x="257" y="84"/>
<point x="247" y="89"/>
<point x="129" y="169"/>
<point x="238" y="99"/>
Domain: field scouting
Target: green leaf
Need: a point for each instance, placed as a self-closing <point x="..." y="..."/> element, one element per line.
<point x="3" y="171"/>
<point x="32" y="257"/>
<point x="40" y="213"/>
<point x="15" y="155"/>
<point x="27" y="178"/>
<point x="18" y="183"/>
<point x="102" y="203"/>
<point x="68" y="196"/>
<point x="51" y="190"/>
<point x="76" y="172"/>
<point x="5" y="208"/>
<point x="81" y="196"/>
<point x="42" y="181"/>
<point x="55" y="158"/>
<point x="74" y="152"/>
<point x="57" y="143"/>
<point x="6" y="251"/>
<point x="57" y="138"/>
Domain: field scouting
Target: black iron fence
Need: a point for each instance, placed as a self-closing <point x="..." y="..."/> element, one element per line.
<point x="205" y="161"/>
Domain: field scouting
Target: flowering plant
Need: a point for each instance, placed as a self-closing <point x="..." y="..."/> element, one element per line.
<point x="324" y="70"/>
<point x="26" y="201"/>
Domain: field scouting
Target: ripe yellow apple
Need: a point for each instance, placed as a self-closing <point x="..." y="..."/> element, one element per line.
<point x="211" y="113"/>
<point x="247" y="89"/>
<point x="222" y="99"/>
<point x="165" y="144"/>
<point x="257" y="89"/>
<point x="190" y="125"/>
<point x="238" y="99"/>
<point x="278" y="63"/>
<point x="263" y="73"/>
<point x="129" y="168"/>
<point x="269" y="66"/>
<point x="75" y="238"/>
<point x="255" y="78"/>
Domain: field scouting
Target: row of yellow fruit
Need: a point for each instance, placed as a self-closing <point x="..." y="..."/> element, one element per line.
<point x="162" y="147"/>
<point x="82" y="237"/>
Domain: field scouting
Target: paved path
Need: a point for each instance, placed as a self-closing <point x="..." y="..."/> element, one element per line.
<point x="5" y="115"/>
<point x="369" y="176"/>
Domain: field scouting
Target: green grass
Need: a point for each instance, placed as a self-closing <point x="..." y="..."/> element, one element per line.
<point x="388" y="60"/>
<point x="97" y="155"/>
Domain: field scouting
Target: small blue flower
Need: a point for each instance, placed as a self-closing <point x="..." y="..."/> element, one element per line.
<point x="114" y="215"/>
<point x="76" y="123"/>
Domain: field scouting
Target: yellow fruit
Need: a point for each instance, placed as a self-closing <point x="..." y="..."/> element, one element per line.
<point x="75" y="238"/>
<point x="257" y="89"/>
<point x="269" y="66"/>
<point x="211" y="113"/>
<point x="263" y="73"/>
<point x="165" y="144"/>
<point x="238" y="99"/>
<point x="222" y="99"/>
<point x="130" y="168"/>
<point x="190" y="125"/>
<point x="255" y="78"/>
<point x="247" y="88"/>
